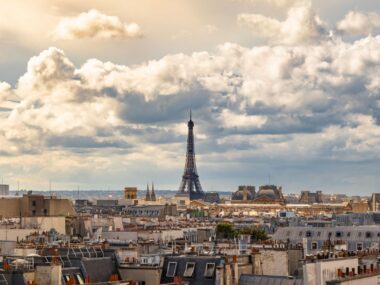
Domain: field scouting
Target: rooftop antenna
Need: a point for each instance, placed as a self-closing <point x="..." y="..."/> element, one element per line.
<point x="50" y="187"/>
<point x="78" y="192"/>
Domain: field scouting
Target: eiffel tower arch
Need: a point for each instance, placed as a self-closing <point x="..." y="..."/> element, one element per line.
<point x="190" y="185"/>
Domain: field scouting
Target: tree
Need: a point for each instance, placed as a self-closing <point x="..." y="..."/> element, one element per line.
<point x="257" y="234"/>
<point x="225" y="230"/>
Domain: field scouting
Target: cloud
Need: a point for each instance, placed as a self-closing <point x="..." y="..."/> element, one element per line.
<point x="289" y="102"/>
<point x="301" y="26"/>
<point x="211" y="29"/>
<point x="5" y="91"/>
<point x="94" y="24"/>
<point x="359" y="23"/>
<point x="277" y="3"/>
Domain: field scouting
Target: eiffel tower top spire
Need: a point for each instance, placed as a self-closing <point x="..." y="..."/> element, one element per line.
<point x="190" y="123"/>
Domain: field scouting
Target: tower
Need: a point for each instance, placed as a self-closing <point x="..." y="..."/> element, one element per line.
<point x="152" y="194"/>
<point x="147" y="195"/>
<point x="190" y="184"/>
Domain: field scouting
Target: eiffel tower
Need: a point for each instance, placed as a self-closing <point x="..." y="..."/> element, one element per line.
<point x="190" y="185"/>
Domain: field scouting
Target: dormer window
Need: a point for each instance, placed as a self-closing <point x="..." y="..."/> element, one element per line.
<point x="210" y="269"/>
<point x="172" y="267"/>
<point x="189" y="270"/>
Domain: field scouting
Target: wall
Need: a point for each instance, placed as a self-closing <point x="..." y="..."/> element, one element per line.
<point x="126" y="236"/>
<point x="46" y="275"/>
<point x="60" y="207"/>
<point x="13" y="234"/>
<point x="151" y="275"/>
<point x="10" y="207"/>
<point x="45" y="223"/>
<point x="317" y="273"/>
<point x="271" y="262"/>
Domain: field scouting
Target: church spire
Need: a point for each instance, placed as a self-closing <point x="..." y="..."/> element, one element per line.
<point x="152" y="194"/>
<point x="147" y="195"/>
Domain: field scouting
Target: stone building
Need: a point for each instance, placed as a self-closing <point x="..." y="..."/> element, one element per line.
<point x="315" y="239"/>
<point x="269" y="194"/>
<point x="4" y="189"/>
<point x="244" y="194"/>
<point x="374" y="202"/>
<point x="308" y="197"/>
<point x="31" y="205"/>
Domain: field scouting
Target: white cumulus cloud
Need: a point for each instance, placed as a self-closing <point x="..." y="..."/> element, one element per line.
<point x="301" y="26"/>
<point x="94" y="24"/>
<point x="359" y="23"/>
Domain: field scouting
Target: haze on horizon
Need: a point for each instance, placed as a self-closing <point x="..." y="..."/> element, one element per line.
<point x="97" y="93"/>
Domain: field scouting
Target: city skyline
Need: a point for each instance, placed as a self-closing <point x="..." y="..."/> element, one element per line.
<point x="283" y="92"/>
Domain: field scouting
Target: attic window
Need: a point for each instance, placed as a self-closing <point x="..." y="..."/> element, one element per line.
<point x="190" y="266"/>
<point x="172" y="266"/>
<point x="209" y="271"/>
<point x="79" y="278"/>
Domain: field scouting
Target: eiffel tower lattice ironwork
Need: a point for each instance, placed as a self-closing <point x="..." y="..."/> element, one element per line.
<point x="190" y="184"/>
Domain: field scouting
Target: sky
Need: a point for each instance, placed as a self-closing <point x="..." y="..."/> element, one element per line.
<point x="96" y="94"/>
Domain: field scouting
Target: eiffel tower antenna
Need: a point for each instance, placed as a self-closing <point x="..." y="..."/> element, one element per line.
<point x="190" y="185"/>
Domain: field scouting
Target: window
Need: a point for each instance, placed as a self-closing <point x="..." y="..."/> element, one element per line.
<point x="190" y="266"/>
<point x="79" y="278"/>
<point x="300" y="234"/>
<point x="338" y="234"/>
<point x="308" y="234"/>
<point x="45" y="212"/>
<point x="359" y="246"/>
<point x="172" y="266"/>
<point x="33" y="212"/>
<point x="33" y="203"/>
<point x="314" y="245"/>
<point x="368" y="234"/>
<point x="67" y="278"/>
<point x="359" y="234"/>
<point x="209" y="271"/>
<point x="348" y="234"/>
<point x="319" y="234"/>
